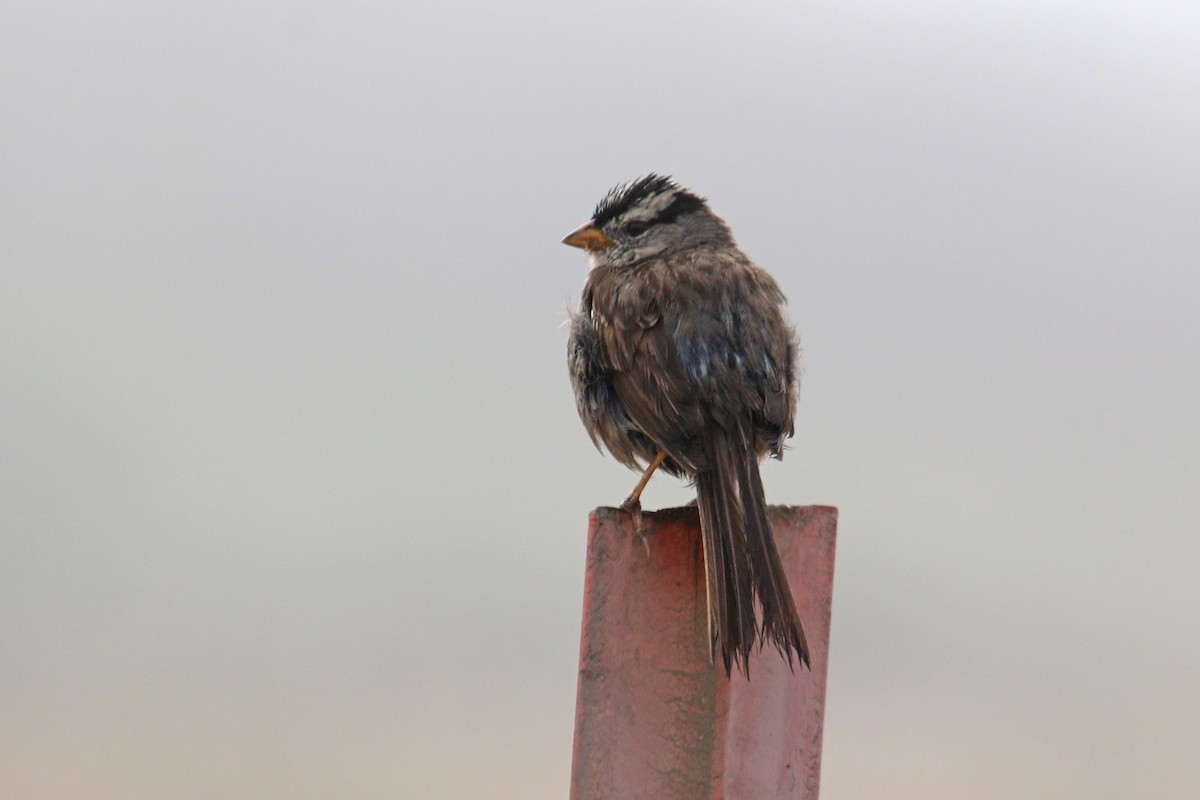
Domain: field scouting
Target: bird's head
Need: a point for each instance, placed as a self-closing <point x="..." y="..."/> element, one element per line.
<point x="648" y="217"/>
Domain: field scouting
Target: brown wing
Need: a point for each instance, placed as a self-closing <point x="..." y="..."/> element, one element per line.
<point x="698" y="342"/>
<point x="633" y="311"/>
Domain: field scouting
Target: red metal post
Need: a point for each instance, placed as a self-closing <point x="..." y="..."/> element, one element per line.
<point x="654" y="717"/>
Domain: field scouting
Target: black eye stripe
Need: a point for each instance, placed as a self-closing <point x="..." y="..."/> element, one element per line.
<point x="684" y="203"/>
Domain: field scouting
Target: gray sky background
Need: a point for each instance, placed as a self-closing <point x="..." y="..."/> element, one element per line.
<point x="294" y="495"/>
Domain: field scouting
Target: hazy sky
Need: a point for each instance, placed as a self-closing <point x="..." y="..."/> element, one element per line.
<point x="293" y="495"/>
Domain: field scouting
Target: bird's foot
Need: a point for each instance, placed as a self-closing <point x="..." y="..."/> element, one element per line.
<point x="633" y="506"/>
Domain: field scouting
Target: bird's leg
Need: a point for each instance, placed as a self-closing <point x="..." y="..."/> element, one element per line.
<point x="633" y="503"/>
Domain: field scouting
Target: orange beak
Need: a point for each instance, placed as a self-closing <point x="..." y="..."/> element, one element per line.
<point x="589" y="237"/>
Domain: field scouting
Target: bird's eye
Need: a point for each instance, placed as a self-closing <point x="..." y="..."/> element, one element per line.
<point x="636" y="228"/>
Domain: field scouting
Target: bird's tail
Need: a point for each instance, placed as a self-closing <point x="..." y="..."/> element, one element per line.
<point x="741" y="562"/>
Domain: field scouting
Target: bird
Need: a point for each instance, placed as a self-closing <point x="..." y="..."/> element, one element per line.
<point x="682" y="358"/>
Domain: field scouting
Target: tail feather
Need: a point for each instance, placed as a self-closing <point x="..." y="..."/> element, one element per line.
<point x="741" y="561"/>
<point x="727" y="566"/>
<point x="780" y="621"/>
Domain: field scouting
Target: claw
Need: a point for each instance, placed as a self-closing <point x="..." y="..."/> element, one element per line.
<point x="633" y="503"/>
<point x="633" y="506"/>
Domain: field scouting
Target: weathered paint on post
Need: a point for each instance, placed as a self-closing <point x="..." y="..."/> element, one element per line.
<point x="654" y="717"/>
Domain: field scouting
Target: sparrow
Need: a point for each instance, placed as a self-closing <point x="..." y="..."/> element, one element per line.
<point x="682" y="359"/>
